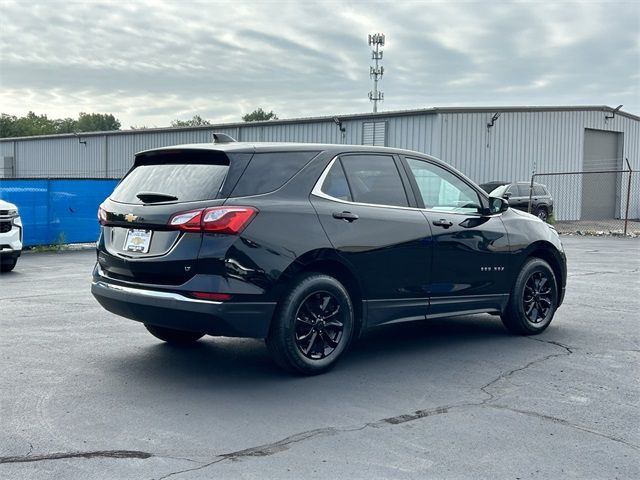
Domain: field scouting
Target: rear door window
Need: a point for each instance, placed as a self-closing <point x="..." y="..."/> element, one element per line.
<point x="335" y="184"/>
<point x="374" y="179"/>
<point x="184" y="176"/>
<point x="269" y="171"/>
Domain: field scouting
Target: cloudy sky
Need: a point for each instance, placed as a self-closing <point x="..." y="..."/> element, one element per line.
<point x="151" y="62"/>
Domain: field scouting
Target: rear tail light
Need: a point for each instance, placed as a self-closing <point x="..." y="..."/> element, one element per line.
<point x="228" y="220"/>
<point x="187" y="221"/>
<point x="102" y="216"/>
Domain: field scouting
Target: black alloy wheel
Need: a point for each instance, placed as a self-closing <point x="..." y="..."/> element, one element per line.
<point x="537" y="297"/>
<point x="312" y="326"/>
<point x="533" y="300"/>
<point x="319" y="325"/>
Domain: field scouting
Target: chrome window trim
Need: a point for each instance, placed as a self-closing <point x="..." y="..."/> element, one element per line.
<point x="317" y="191"/>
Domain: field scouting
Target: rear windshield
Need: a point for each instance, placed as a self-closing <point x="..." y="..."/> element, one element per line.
<point x="186" y="177"/>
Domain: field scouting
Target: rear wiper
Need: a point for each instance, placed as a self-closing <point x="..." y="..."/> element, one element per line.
<point x="154" y="197"/>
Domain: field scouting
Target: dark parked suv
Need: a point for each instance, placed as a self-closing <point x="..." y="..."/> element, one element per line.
<point x="308" y="246"/>
<point x="518" y="194"/>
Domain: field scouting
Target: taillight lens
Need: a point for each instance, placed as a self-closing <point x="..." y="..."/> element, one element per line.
<point x="231" y="220"/>
<point x="227" y="220"/>
<point x="187" y="221"/>
<point x="102" y="216"/>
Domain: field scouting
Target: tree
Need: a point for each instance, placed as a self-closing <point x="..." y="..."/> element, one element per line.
<point x="65" y="125"/>
<point x="33" y="124"/>
<point x="258" y="115"/>
<point x="97" y="122"/>
<point x="7" y="126"/>
<point x="196" y="121"/>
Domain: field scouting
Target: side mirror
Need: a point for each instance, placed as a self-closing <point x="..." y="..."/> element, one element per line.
<point x="506" y="195"/>
<point x="497" y="205"/>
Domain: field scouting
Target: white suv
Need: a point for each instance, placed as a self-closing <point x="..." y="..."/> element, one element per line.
<point x="10" y="236"/>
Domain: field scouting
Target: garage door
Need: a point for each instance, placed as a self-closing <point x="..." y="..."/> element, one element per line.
<point x="600" y="191"/>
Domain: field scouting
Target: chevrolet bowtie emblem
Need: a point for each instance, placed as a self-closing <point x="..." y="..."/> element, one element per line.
<point x="130" y="217"/>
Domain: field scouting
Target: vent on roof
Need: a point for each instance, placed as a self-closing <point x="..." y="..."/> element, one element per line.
<point x="374" y="133"/>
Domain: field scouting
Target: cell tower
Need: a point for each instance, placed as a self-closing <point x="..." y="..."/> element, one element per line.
<point x="376" y="41"/>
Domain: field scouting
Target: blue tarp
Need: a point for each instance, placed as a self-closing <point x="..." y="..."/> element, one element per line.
<point x="57" y="210"/>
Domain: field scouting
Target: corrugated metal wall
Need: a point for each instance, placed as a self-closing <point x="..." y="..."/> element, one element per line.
<point x="64" y="157"/>
<point x="518" y="142"/>
<point x="6" y="148"/>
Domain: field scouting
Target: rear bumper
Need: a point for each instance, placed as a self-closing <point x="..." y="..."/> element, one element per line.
<point x="173" y="310"/>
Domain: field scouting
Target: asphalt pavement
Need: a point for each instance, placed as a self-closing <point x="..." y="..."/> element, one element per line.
<point x="85" y="394"/>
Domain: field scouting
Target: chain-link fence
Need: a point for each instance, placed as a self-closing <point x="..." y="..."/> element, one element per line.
<point x="603" y="202"/>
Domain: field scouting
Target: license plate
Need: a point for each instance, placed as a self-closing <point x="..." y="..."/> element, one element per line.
<point x="137" y="240"/>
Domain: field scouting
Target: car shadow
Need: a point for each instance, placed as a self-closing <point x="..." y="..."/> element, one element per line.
<point x="385" y="350"/>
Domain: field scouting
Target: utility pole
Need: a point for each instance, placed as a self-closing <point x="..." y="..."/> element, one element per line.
<point x="376" y="41"/>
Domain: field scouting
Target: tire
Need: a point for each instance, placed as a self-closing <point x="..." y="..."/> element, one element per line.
<point x="528" y="313"/>
<point x="7" y="267"/>
<point x="174" y="337"/>
<point x="313" y="325"/>
<point x="542" y="214"/>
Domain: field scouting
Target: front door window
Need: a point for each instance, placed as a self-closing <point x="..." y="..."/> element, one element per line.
<point x="443" y="191"/>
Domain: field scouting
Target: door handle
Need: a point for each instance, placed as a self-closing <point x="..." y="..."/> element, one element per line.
<point x="348" y="216"/>
<point x="442" y="223"/>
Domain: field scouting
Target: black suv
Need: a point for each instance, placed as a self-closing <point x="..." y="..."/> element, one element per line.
<point x="518" y="194"/>
<point x="309" y="245"/>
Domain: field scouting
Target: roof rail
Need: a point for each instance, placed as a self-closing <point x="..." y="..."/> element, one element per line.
<point x="222" y="138"/>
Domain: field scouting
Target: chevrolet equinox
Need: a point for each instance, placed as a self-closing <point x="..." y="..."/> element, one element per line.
<point x="307" y="246"/>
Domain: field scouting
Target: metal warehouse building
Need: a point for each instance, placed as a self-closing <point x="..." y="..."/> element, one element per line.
<point x="489" y="143"/>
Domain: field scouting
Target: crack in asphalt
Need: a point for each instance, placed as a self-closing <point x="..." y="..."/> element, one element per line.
<point x="281" y="445"/>
<point x="62" y="455"/>
<point x="410" y="417"/>
<point x="567" y="351"/>
<point x="268" y="448"/>
<point x="285" y="443"/>
<point x="566" y="423"/>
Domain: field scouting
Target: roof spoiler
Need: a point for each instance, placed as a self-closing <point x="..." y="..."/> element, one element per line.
<point x="222" y="138"/>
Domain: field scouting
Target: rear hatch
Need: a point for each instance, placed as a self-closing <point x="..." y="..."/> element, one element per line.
<point x="153" y="221"/>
